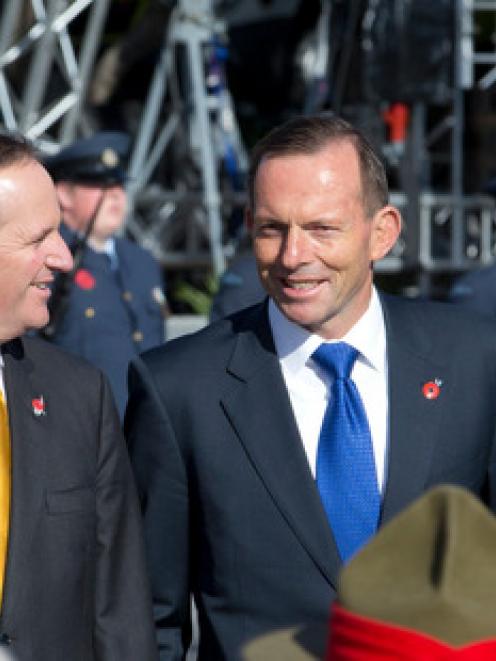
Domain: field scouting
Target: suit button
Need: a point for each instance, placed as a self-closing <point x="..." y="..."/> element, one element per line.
<point x="138" y="336"/>
<point x="5" y="639"/>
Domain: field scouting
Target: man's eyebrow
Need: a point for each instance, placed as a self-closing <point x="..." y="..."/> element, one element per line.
<point x="269" y="219"/>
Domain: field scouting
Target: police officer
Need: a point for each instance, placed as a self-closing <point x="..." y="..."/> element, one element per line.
<point x="111" y="306"/>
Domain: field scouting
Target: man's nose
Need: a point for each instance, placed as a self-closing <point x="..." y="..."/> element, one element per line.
<point x="59" y="257"/>
<point x="296" y="248"/>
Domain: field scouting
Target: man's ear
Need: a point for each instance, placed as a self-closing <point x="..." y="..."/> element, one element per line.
<point x="64" y="193"/>
<point x="386" y="228"/>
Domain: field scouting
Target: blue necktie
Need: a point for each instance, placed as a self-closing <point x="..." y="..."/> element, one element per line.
<point x="346" y="475"/>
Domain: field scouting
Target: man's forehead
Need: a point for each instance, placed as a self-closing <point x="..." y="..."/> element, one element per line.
<point x="7" y="183"/>
<point x="330" y="156"/>
<point x="26" y="182"/>
<point x="19" y="167"/>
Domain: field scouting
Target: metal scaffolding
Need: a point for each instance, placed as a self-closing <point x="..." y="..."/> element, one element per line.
<point x="43" y="92"/>
<point x="446" y="231"/>
<point x="188" y="158"/>
<point x="204" y="117"/>
<point x="36" y="46"/>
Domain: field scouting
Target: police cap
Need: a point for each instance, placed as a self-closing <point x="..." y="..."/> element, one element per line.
<point x="98" y="159"/>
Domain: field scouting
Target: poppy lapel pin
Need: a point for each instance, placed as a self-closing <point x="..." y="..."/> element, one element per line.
<point x="84" y="279"/>
<point x="38" y="404"/>
<point x="432" y="389"/>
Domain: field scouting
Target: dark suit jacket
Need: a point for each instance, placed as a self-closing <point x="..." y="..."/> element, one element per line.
<point x="75" y="583"/>
<point x="476" y="291"/>
<point x="230" y="506"/>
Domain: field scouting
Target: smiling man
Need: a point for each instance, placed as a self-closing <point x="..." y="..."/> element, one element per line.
<point x="31" y="248"/>
<point x="270" y="446"/>
<point x="73" y="582"/>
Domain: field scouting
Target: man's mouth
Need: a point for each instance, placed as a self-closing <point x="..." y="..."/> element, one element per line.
<point x="301" y="284"/>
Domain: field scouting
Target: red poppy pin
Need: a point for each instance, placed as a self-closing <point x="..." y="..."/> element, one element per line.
<point x="432" y="389"/>
<point x="38" y="404"/>
<point x="84" y="279"/>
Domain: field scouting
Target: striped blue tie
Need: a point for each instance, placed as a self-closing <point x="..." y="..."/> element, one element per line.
<point x="346" y="475"/>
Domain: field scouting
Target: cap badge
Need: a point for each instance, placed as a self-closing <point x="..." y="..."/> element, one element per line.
<point x="432" y="389"/>
<point x="38" y="404"/>
<point x="110" y="158"/>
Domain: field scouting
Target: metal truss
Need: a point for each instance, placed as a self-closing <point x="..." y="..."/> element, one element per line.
<point x="476" y="67"/>
<point x="187" y="226"/>
<point x="447" y="231"/>
<point x="36" y="49"/>
<point x="443" y="243"/>
<point x="43" y="88"/>
<point x="188" y="162"/>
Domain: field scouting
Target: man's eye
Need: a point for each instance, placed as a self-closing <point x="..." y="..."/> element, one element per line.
<point x="269" y="229"/>
<point x="322" y="229"/>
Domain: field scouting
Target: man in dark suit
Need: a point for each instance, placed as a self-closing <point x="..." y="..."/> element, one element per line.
<point x="114" y="304"/>
<point x="476" y="291"/>
<point x="239" y="286"/>
<point x="72" y="567"/>
<point x="224" y="426"/>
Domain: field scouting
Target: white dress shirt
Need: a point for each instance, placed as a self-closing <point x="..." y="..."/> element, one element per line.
<point x="309" y="387"/>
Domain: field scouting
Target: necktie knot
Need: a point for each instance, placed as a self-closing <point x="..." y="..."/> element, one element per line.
<point x="337" y="359"/>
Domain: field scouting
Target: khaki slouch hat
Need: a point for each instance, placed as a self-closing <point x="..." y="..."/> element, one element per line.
<point x="424" y="588"/>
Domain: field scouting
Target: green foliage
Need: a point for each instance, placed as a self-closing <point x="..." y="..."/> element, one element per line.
<point x="199" y="299"/>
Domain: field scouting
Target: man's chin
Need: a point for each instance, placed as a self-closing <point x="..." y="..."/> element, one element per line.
<point x="329" y="326"/>
<point x="38" y="322"/>
<point x="300" y="315"/>
<point x="12" y="331"/>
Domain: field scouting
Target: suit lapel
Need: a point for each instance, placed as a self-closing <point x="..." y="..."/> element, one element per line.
<point x="414" y="419"/>
<point x="29" y="434"/>
<point x="258" y="407"/>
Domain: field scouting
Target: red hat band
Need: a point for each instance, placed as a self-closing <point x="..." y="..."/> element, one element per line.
<point x="357" y="638"/>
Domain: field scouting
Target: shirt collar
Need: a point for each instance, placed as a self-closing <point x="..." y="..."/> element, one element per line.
<point x="294" y="344"/>
<point x="109" y="247"/>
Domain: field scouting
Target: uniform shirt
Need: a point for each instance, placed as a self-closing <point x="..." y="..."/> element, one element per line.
<point x="111" y="252"/>
<point x="309" y="387"/>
